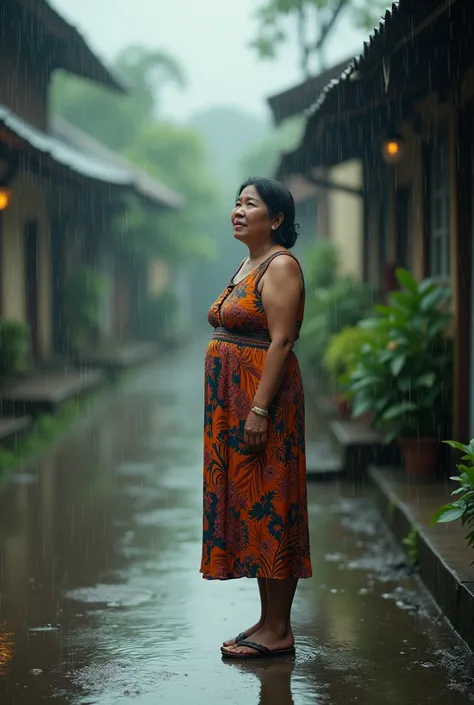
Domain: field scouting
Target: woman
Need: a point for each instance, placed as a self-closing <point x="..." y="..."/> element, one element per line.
<point x="255" y="509"/>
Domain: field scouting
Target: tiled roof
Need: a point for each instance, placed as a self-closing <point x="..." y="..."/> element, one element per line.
<point x="297" y="99"/>
<point x="86" y="157"/>
<point x="398" y="22"/>
<point x="144" y="184"/>
<point x="41" y="22"/>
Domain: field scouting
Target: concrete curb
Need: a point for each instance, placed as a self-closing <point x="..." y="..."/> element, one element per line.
<point x="454" y="593"/>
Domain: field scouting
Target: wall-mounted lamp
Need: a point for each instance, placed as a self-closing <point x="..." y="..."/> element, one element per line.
<point x="393" y="148"/>
<point x="9" y="164"/>
<point x="5" y="197"/>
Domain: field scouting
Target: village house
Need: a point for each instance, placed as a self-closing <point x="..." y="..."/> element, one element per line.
<point x="328" y="200"/>
<point x="414" y="139"/>
<point x="59" y="197"/>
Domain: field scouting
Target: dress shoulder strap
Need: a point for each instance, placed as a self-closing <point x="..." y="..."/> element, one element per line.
<point x="264" y="266"/>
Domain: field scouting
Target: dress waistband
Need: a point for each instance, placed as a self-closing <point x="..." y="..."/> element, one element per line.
<point x="256" y="340"/>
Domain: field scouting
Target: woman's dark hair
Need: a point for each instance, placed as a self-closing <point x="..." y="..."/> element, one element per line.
<point x="278" y="199"/>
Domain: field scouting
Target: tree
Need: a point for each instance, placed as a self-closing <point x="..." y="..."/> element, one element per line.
<point x="261" y="159"/>
<point x="315" y="22"/>
<point x="175" y="155"/>
<point x="111" y="118"/>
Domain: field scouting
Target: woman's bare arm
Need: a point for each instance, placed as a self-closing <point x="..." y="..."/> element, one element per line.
<point x="281" y="296"/>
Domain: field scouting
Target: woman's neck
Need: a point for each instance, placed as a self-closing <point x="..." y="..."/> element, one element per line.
<point x="257" y="253"/>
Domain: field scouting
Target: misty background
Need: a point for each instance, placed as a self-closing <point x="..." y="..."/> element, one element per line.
<point x="196" y="119"/>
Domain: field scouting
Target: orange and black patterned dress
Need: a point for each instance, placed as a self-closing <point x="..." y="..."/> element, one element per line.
<point x="255" y="508"/>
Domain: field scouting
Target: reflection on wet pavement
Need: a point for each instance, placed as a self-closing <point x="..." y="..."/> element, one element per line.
<point x="100" y="590"/>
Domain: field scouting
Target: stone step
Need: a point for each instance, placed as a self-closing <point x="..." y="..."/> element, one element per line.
<point x="47" y="391"/>
<point x="120" y="356"/>
<point x="358" y="446"/>
<point x="322" y="463"/>
<point x="12" y="428"/>
<point x="444" y="559"/>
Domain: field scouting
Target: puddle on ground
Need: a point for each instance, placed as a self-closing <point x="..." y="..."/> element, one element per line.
<point x="105" y="542"/>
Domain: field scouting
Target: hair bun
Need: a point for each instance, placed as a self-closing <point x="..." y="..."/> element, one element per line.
<point x="289" y="235"/>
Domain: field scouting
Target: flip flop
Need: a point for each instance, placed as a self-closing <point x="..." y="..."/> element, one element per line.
<point x="240" y="637"/>
<point x="261" y="651"/>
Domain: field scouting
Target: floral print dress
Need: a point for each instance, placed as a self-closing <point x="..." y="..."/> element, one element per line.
<point x="255" y="522"/>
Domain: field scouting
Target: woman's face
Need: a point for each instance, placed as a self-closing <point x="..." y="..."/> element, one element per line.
<point x="250" y="218"/>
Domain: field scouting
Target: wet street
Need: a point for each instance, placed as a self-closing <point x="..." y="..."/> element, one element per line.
<point x="100" y="590"/>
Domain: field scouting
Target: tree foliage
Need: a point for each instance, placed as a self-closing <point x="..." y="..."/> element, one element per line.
<point x="111" y="118"/>
<point x="315" y="22"/>
<point x="175" y="155"/>
<point x="261" y="158"/>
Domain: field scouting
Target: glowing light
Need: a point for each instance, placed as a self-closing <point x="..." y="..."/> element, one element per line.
<point x="392" y="149"/>
<point x="5" y="197"/>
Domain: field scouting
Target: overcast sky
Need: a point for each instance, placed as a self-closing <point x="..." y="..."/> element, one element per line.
<point x="210" y="38"/>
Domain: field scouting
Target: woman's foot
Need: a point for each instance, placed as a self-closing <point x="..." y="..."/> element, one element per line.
<point x="248" y="633"/>
<point x="273" y="640"/>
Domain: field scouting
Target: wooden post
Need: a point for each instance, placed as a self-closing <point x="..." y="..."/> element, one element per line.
<point x="461" y="224"/>
<point x="2" y="277"/>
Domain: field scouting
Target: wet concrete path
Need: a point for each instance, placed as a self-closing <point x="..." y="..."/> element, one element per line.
<point x="99" y="552"/>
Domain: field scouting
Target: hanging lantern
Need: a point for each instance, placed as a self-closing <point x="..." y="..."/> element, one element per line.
<point x="393" y="148"/>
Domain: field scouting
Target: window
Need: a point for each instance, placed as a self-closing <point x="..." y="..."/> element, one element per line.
<point x="439" y="207"/>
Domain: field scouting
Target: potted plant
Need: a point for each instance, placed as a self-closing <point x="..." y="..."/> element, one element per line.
<point x="14" y="347"/>
<point x="462" y="507"/>
<point x="339" y="359"/>
<point x="403" y="377"/>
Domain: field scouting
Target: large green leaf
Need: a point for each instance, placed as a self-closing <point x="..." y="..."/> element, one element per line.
<point x="458" y="446"/>
<point x="364" y="383"/>
<point x="449" y="514"/>
<point x="397" y="364"/>
<point x="440" y="512"/>
<point x="434" y="298"/>
<point x="404" y="300"/>
<point x="399" y="410"/>
<point x="408" y="281"/>
<point x="427" y="285"/>
<point x="426" y="380"/>
<point x="361" y="406"/>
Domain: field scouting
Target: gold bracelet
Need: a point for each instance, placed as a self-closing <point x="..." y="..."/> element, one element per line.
<point x="259" y="412"/>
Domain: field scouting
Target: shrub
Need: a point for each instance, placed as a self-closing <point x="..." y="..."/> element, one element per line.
<point x="14" y="346"/>
<point x="462" y="507"/>
<point x="344" y="349"/>
<point x="82" y="306"/>
<point x="403" y="378"/>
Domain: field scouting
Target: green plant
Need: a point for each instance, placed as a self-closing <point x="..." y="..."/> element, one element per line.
<point x="14" y="346"/>
<point x="462" y="508"/>
<point x="343" y="350"/>
<point x="82" y="305"/>
<point x="321" y="265"/>
<point x="412" y="547"/>
<point x="403" y="378"/>
<point x="332" y="304"/>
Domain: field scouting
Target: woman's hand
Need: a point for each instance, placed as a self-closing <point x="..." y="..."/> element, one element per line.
<point x="255" y="432"/>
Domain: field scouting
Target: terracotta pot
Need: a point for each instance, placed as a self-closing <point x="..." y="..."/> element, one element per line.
<point x="419" y="456"/>
<point x="343" y="407"/>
